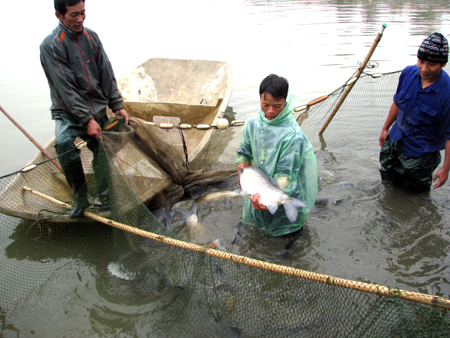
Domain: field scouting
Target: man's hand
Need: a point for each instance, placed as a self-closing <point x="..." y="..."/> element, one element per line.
<point x="122" y="112"/>
<point x="93" y="129"/>
<point x="442" y="176"/>
<point x="256" y="201"/>
<point x="383" y="136"/>
<point x="391" y="118"/>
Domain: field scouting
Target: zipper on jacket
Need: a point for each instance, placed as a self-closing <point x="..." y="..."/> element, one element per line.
<point x="87" y="75"/>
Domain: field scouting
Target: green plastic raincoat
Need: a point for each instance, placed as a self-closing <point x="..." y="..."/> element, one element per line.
<point x="281" y="149"/>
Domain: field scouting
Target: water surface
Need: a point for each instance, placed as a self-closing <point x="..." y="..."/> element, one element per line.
<point x="366" y="232"/>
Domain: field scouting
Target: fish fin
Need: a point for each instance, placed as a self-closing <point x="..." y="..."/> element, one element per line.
<point x="291" y="212"/>
<point x="283" y="252"/>
<point x="193" y="208"/>
<point x="238" y="227"/>
<point x="167" y="207"/>
<point x="168" y="216"/>
<point x="181" y="211"/>
<point x="168" y="225"/>
<point x="299" y="204"/>
<point x="272" y="208"/>
<point x="169" y="221"/>
<point x="227" y="203"/>
<point x="272" y="181"/>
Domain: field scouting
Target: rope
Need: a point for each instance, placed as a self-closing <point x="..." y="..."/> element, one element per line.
<point x="186" y="159"/>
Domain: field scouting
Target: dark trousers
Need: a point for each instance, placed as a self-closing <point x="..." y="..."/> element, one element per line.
<point x="413" y="173"/>
<point x="66" y="130"/>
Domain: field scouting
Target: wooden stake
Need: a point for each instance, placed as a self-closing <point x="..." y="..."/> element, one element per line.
<point x="43" y="151"/>
<point x="350" y="86"/>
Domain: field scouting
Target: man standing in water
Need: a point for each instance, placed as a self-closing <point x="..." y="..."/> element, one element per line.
<point x="275" y="143"/>
<point x="420" y="119"/>
<point x="82" y="85"/>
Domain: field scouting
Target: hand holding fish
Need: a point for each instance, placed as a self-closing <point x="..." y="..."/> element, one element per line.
<point x="256" y="201"/>
<point x="266" y="192"/>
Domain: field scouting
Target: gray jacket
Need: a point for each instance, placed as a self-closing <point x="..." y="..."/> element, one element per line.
<point x="79" y="74"/>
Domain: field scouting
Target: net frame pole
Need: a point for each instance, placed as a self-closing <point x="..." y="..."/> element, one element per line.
<point x="358" y="74"/>
<point x="43" y="151"/>
<point x="381" y="290"/>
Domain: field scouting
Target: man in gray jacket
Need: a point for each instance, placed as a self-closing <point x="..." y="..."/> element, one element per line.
<point x="82" y="85"/>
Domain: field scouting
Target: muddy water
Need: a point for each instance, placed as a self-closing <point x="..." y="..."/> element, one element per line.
<point x="365" y="231"/>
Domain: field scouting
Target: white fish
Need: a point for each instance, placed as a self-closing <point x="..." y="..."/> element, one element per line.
<point x="254" y="180"/>
<point x="212" y="196"/>
<point x="164" y="215"/>
<point x="190" y="216"/>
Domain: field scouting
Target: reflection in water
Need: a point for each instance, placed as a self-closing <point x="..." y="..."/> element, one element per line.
<point x="415" y="235"/>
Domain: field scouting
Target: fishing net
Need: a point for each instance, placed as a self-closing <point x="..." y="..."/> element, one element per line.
<point x="367" y="106"/>
<point x="122" y="273"/>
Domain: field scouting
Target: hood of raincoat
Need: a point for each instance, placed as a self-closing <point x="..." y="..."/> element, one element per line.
<point x="285" y="113"/>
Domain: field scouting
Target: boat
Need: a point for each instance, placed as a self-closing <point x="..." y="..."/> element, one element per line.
<point x="175" y="139"/>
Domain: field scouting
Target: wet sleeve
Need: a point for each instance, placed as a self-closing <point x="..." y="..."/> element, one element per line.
<point x="289" y="162"/>
<point x="244" y="152"/>
<point x="63" y="84"/>
<point x="298" y="162"/>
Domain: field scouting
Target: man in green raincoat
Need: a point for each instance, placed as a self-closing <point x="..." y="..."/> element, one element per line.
<point x="275" y="143"/>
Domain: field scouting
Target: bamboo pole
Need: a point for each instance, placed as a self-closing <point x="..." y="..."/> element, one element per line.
<point x="43" y="151"/>
<point x="356" y="77"/>
<point x="435" y="301"/>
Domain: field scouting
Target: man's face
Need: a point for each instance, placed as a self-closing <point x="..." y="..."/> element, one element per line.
<point x="74" y="17"/>
<point x="429" y="70"/>
<point x="271" y="107"/>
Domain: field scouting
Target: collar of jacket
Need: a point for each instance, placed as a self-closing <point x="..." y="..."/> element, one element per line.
<point x="70" y="32"/>
<point x="284" y="114"/>
<point x="437" y="85"/>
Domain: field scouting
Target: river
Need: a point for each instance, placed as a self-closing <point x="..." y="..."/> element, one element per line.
<point x="372" y="233"/>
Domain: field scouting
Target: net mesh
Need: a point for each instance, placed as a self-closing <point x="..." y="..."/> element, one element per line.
<point x="365" y="108"/>
<point x="121" y="272"/>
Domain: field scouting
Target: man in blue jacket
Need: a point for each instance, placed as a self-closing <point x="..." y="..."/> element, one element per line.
<point x="82" y="85"/>
<point x="420" y="120"/>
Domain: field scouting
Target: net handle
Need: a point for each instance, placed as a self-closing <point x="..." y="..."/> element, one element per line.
<point x="358" y="74"/>
<point x="43" y="151"/>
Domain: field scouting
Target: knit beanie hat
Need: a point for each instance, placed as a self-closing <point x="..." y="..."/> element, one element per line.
<point x="434" y="48"/>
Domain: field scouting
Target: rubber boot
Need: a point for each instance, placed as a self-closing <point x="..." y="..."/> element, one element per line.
<point x="104" y="198"/>
<point x="102" y="177"/>
<point x="75" y="177"/>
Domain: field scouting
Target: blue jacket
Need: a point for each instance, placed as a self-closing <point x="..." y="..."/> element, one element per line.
<point x="423" y="121"/>
<point x="79" y="74"/>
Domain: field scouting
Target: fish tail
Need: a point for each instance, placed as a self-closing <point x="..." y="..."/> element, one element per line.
<point x="291" y="212"/>
<point x="299" y="204"/>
